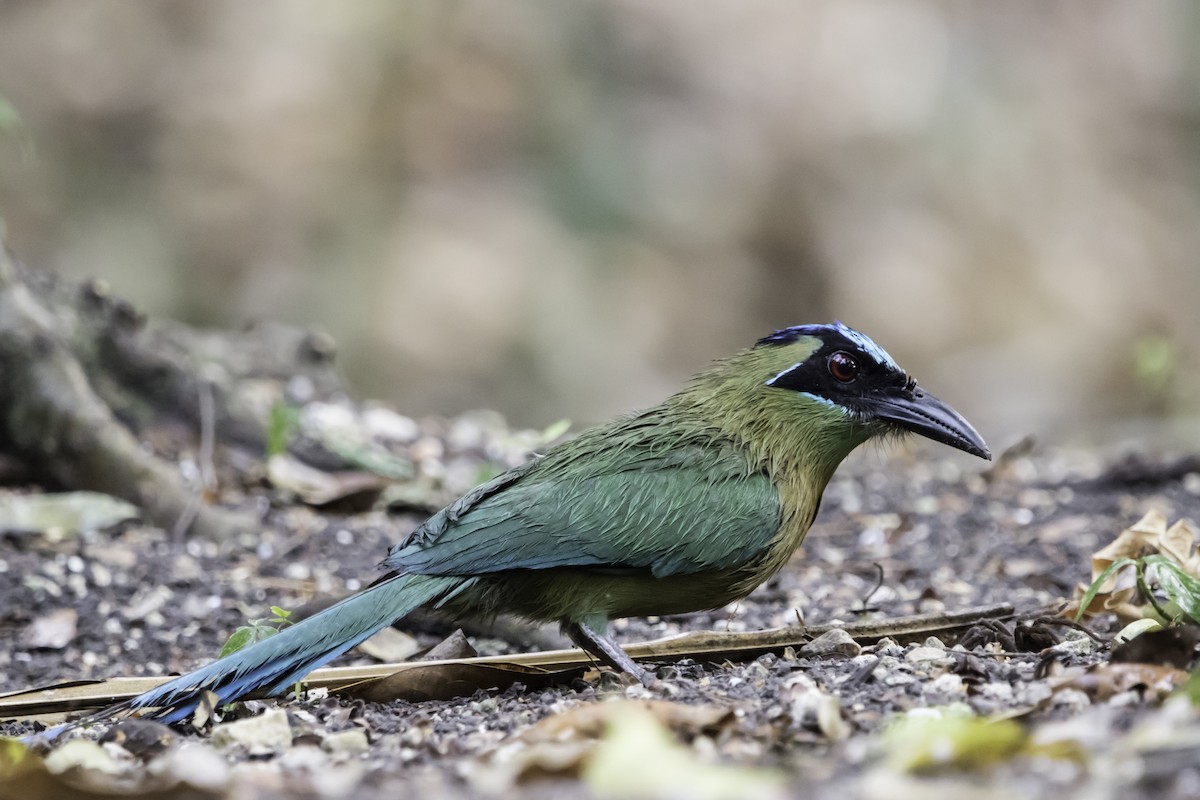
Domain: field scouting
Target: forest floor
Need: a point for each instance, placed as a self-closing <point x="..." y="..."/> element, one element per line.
<point x="1027" y="708"/>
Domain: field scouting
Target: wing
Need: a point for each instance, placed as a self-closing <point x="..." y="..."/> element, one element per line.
<point x="691" y="510"/>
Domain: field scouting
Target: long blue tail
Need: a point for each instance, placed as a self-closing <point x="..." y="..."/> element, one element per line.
<point x="275" y="664"/>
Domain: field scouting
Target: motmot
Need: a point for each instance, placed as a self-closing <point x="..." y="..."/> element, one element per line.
<point x="686" y="506"/>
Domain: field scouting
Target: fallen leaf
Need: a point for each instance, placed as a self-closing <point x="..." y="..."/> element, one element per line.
<point x="589" y="721"/>
<point x="456" y="645"/>
<point x="68" y="512"/>
<point x="446" y="680"/>
<point x="390" y="645"/>
<point x="1106" y="680"/>
<point x="317" y="487"/>
<point x="638" y="758"/>
<point x="1149" y="536"/>
<point x="927" y="739"/>
<point x="54" y="631"/>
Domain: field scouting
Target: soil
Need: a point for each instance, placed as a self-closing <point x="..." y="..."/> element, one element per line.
<point x="909" y="530"/>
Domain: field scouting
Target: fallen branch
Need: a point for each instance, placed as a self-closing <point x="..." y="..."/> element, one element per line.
<point x="52" y="416"/>
<point x="424" y="680"/>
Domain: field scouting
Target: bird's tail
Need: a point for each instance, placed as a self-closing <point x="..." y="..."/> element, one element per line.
<point x="276" y="663"/>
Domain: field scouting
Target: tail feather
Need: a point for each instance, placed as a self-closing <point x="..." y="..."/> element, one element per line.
<point x="275" y="664"/>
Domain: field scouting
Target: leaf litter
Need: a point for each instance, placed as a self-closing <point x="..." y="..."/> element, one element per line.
<point x="1030" y="708"/>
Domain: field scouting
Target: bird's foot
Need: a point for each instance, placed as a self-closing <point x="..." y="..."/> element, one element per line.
<point x="607" y="651"/>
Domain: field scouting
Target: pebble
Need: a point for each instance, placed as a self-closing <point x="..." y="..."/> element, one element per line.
<point x="929" y="656"/>
<point x="195" y="764"/>
<point x="260" y="735"/>
<point x="946" y="684"/>
<point x="835" y="642"/>
<point x="88" y="755"/>
<point x="888" y="647"/>
<point x="352" y="740"/>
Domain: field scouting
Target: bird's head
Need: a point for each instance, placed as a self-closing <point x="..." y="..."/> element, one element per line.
<point x="843" y="372"/>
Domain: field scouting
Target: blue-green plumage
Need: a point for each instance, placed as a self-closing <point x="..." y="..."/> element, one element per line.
<point x="686" y="506"/>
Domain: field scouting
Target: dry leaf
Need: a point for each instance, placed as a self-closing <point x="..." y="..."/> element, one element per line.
<point x="456" y="645"/>
<point x="84" y="770"/>
<point x="589" y="721"/>
<point x="446" y="680"/>
<point x="929" y="739"/>
<point x="638" y="758"/>
<point x="69" y="512"/>
<point x="317" y="487"/>
<point x="390" y="645"/>
<point x="54" y="631"/>
<point x="626" y="749"/>
<point x="1106" y="680"/>
<point x="1148" y="536"/>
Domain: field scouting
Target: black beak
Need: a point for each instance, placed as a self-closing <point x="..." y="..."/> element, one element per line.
<point x="920" y="412"/>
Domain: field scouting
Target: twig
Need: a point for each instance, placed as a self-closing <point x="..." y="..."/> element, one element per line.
<point x="707" y="646"/>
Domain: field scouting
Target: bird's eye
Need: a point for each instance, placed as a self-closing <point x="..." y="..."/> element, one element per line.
<point x="843" y="367"/>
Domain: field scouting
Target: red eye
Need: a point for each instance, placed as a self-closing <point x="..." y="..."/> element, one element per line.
<point x="843" y="367"/>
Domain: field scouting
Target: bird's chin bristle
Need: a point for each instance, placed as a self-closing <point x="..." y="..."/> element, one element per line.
<point x="889" y="437"/>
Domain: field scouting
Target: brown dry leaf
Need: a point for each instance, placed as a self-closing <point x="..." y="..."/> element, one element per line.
<point x="447" y="680"/>
<point x="1107" y="680"/>
<point x="54" y="631"/>
<point x="317" y="487"/>
<point x="1148" y="536"/>
<point x="83" y="770"/>
<point x="626" y="749"/>
<point x="589" y="721"/>
<point x="456" y="645"/>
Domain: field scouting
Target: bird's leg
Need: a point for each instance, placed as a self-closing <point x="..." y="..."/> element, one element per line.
<point x="604" y="648"/>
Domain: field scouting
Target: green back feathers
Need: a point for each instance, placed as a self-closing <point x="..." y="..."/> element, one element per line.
<point x="709" y="480"/>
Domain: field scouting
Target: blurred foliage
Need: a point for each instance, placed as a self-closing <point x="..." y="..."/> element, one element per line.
<point x="563" y="209"/>
<point x="281" y="427"/>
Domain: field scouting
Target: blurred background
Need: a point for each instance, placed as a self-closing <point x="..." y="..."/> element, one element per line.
<point x="563" y="209"/>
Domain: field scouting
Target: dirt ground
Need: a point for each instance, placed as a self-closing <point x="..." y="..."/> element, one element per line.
<point x="901" y="532"/>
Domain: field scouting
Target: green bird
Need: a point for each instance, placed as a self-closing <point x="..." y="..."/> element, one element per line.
<point x="686" y="506"/>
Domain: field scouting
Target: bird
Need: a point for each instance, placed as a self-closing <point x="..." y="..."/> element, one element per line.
<point x="686" y="506"/>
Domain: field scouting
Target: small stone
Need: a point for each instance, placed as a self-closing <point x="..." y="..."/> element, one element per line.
<point x="54" y="631"/>
<point x="352" y="740"/>
<point x="195" y="764"/>
<point x="88" y="755"/>
<point x="929" y="656"/>
<point x="141" y="737"/>
<point x="305" y="756"/>
<point x="260" y="735"/>
<point x="832" y="643"/>
<point x="1074" y="644"/>
<point x="946" y="684"/>
<point x="888" y="646"/>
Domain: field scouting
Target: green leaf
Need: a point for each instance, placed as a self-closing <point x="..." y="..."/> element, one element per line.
<point x="281" y="427"/>
<point x="280" y="613"/>
<point x="1191" y="688"/>
<point x="237" y="640"/>
<point x="937" y="739"/>
<point x="1094" y="589"/>
<point x="247" y="635"/>
<point x="1137" y="628"/>
<point x="1182" y="588"/>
